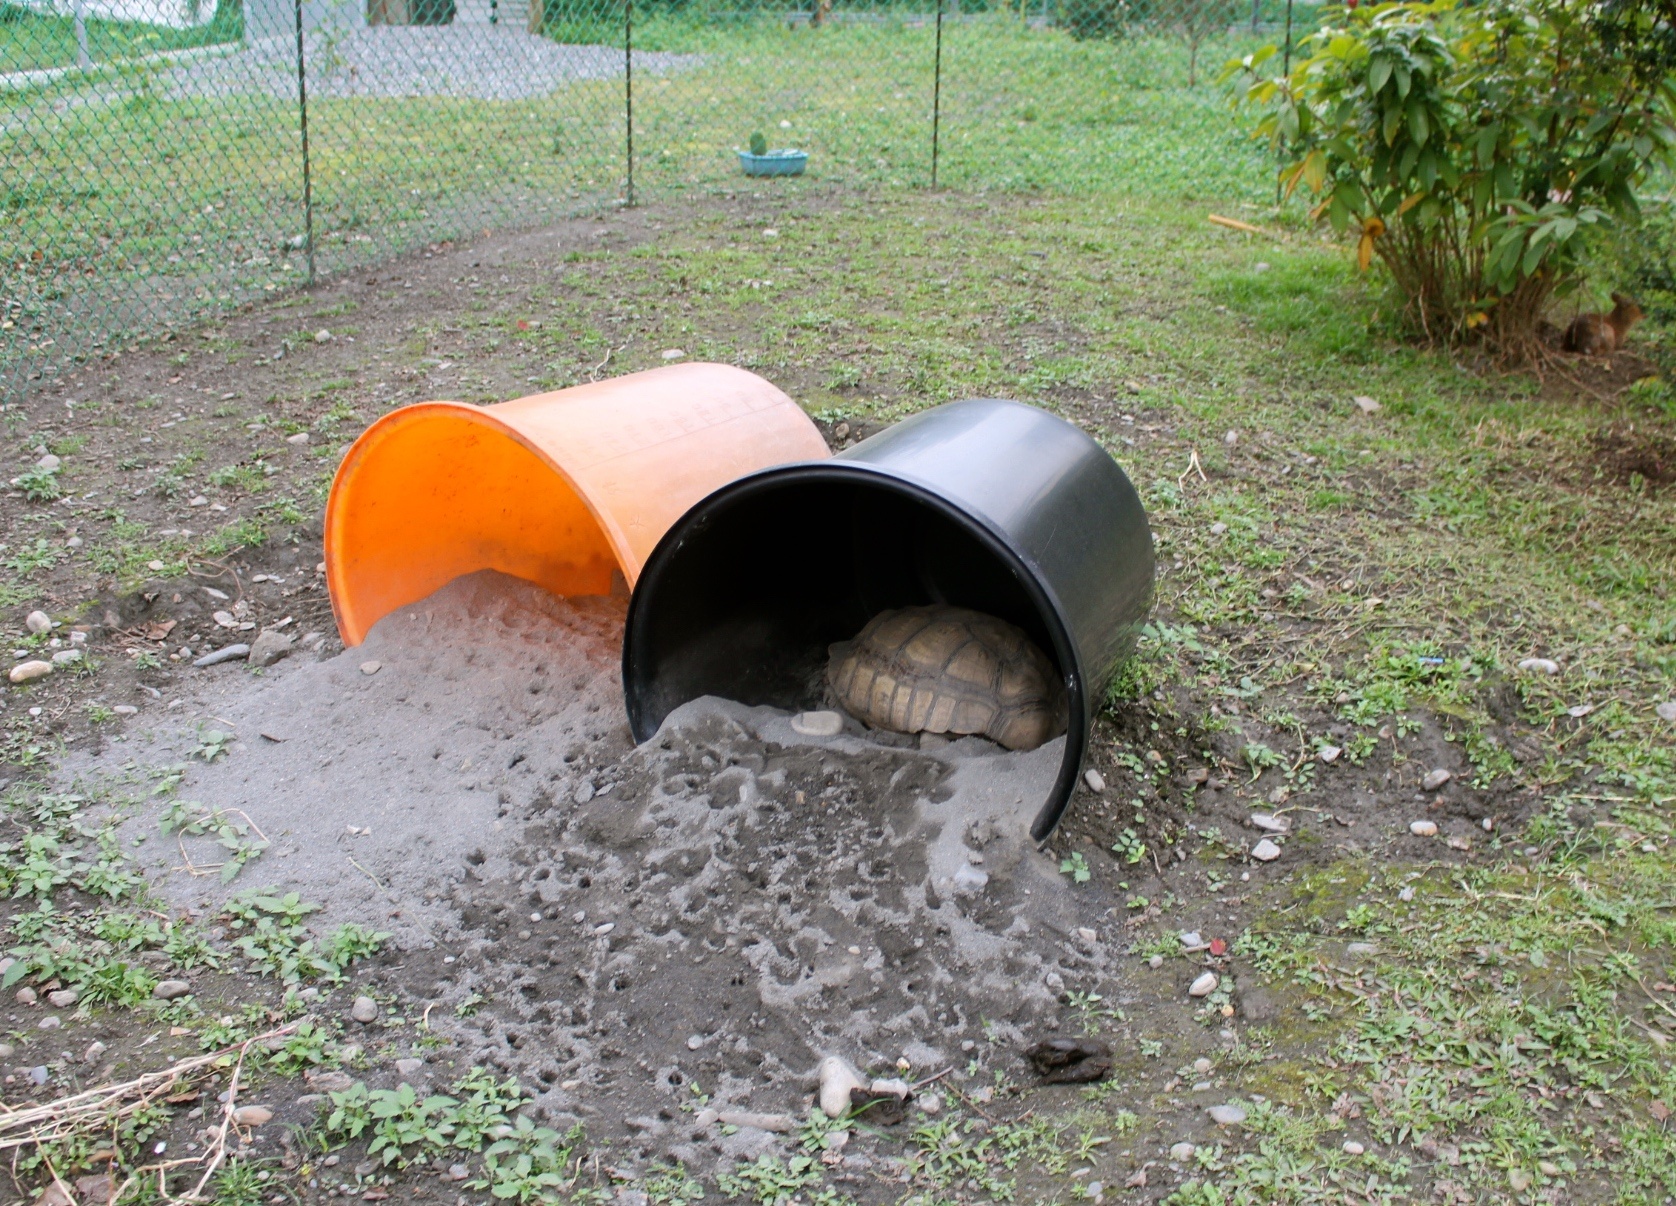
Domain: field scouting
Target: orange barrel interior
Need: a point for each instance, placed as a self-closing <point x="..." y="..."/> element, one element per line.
<point x="561" y="489"/>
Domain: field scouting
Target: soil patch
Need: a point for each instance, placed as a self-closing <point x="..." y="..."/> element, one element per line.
<point x="1625" y="453"/>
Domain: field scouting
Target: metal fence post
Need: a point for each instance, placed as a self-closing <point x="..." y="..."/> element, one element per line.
<point x="84" y="56"/>
<point x="937" y="95"/>
<point x="628" y="93"/>
<point x="302" y="118"/>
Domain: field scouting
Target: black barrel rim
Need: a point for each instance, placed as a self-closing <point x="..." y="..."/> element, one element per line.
<point x="998" y="543"/>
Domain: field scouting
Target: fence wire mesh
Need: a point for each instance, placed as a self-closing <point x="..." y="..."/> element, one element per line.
<point x="163" y="160"/>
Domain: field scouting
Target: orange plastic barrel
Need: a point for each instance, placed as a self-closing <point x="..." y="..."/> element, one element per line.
<point x="561" y="489"/>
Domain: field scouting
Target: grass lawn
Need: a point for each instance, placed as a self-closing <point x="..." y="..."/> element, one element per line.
<point x="1483" y="1015"/>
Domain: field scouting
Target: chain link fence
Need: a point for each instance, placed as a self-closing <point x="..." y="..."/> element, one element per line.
<point x="163" y="159"/>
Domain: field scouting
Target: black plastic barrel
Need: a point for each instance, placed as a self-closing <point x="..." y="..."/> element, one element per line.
<point x="985" y="504"/>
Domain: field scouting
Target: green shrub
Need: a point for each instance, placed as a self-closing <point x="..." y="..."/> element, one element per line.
<point x="1480" y="153"/>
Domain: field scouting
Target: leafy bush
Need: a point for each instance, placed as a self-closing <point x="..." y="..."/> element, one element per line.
<point x="1480" y="153"/>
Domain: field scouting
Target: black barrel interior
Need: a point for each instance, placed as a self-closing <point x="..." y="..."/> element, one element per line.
<point x="785" y="567"/>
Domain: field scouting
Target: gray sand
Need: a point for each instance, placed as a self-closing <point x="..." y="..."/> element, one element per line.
<point x="726" y="903"/>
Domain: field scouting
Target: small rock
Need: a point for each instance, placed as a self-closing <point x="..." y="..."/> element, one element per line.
<point x="26" y="996"/>
<point x="1068" y="1061"/>
<point x="126" y="710"/>
<point x="227" y="653"/>
<point x="1265" y="851"/>
<point x="63" y="998"/>
<point x="694" y="1042"/>
<point x="252" y="1115"/>
<point x="1423" y="828"/>
<point x="1540" y="665"/>
<point x="322" y="336"/>
<point x="1352" y="1148"/>
<point x="1181" y="1153"/>
<point x="1095" y="780"/>
<point x="1218" y="528"/>
<point x="1231" y="438"/>
<point x="39" y="1074"/>
<point x="817" y="724"/>
<point x="364" y="1010"/>
<point x="1366" y="404"/>
<point x="38" y="622"/>
<point x="168" y="990"/>
<point x="931" y="1103"/>
<point x="672" y="354"/>
<point x="66" y="657"/>
<point x="1436" y="778"/>
<point x="154" y="566"/>
<point x="51" y="1022"/>
<point x="1269" y="823"/>
<point x="95" y="1051"/>
<point x="779" y="1124"/>
<point x="1329" y="754"/>
<point x="24" y="671"/>
<point x="1361" y="950"/>
<point x="330" y="1082"/>
<point x="409" y="1067"/>
<point x="968" y="878"/>
<point x="1548" y="1168"/>
<point x="225" y="619"/>
<point x="198" y="500"/>
<point x="837" y="1078"/>
<point x="1204" y="985"/>
<point x="371" y="667"/>
<point x="297" y="440"/>
<point x="1226" y="1115"/>
<point x="1191" y="938"/>
<point x="1667" y="710"/>
<point x="1460" y="842"/>
<point x="1087" y="935"/>
<point x="270" y="646"/>
<point x="7" y="1051"/>
<point x="1407" y="894"/>
<point x="1519" y="1179"/>
<point x="49" y="464"/>
<point x="1155" y="962"/>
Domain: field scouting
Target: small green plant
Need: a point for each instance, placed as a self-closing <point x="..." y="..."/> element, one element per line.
<point x="212" y="744"/>
<point x="759" y="144"/>
<point x="532" y="1164"/>
<point x="30" y="558"/>
<point x="770" y="1180"/>
<point x="240" y="838"/>
<point x="1131" y="849"/>
<point x="1076" y="866"/>
<point x="41" y="485"/>
<point x="673" y="1187"/>
<point x="1259" y="758"/>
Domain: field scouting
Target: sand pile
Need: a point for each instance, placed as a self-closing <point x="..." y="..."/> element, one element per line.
<point x="720" y="906"/>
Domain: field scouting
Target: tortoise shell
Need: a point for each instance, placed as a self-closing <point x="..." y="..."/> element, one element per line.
<point x="942" y="669"/>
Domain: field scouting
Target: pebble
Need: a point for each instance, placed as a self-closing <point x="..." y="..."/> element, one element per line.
<point x="1366" y="404"/>
<point x="1156" y="962"/>
<point x="26" y="996"/>
<point x="94" y="1051"/>
<point x="39" y="1073"/>
<point x="931" y="1103"/>
<point x="225" y="619"/>
<point x="672" y="353"/>
<point x="968" y="878"/>
<point x="51" y="1022"/>
<point x="1218" y="528"/>
<point x="227" y="653"/>
<point x="1548" y="1168"/>
<point x="1181" y="1153"/>
<point x="837" y="1078"/>
<point x="1191" y="938"/>
<point x="364" y="1010"/>
<point x="49" y="464"/>
<point x="63" y="998"/>
<point x="1436" y="778"/>
<point x="817" y="724"/>
<point x="168" y="990"/>
<point x="409" y="1067"/>
<point x="780" y="1124"/>
<point x="458" y="1172"/>
<point x="1201" y="1065"/>
<point x="1329" y="753"/>
<point x="297" y="440"/>
<point x="1352" y="1148"/>
<point x="154" y="566"/>
<point x="1460" y="842"/>
<point x="694" y="1042"/>
<point x="1361" y="950"/>
<point x="269" y="647"/>
<point x="1231" y="438"/>
<point x="1204" y="985"/>
<point x="322" y="336"/>
<point x="371" y="667"/>
<point x="1269" y="823"/>
<point x="1540" y="665"/>
<point x="38" y="622"/>
<point x="1407" y="894"/>
<point x="1265" y="851"/>
<point x="1226" y="1115"/>
<point x="252" y="1115"/>
<point x="7" y="1051"/>
<point x="1423" y="828"/>
<point x="126" y="710"/>
<point x="24" y="671"/>
<point x="66" y="657"/>
<point x="1667" y="710"/>
<point x="1095" y="780"/>
<point x="1088" y="935"/>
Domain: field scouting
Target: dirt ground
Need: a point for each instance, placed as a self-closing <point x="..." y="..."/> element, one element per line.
<point x="660" y="942"/>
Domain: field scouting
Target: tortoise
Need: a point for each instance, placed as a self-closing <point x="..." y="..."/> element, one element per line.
<point x="940" y="669"/>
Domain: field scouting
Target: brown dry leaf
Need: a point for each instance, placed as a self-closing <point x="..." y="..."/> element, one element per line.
<point x="159" y="630"/>
<point x="1659" y="1111"/>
